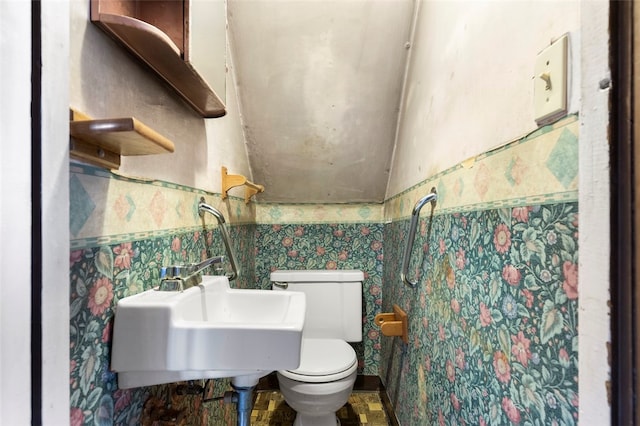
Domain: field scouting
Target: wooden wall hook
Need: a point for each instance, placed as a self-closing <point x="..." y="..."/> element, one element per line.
<point x="394" y="324"/>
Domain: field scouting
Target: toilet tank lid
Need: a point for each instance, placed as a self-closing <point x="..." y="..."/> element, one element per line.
<point x="318" y="275"/>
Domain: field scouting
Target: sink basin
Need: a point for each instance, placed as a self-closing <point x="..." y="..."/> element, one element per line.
<point x="207" y="331"/>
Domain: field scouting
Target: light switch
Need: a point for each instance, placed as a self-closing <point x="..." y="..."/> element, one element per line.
<point x="550" y="82"/>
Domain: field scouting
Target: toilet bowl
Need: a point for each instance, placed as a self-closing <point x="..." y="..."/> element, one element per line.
<point x="322" y="383"/>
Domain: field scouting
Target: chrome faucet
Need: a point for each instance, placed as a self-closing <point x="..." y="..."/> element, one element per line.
<point x="181" y="277"/>
<point x="202" y="208"/>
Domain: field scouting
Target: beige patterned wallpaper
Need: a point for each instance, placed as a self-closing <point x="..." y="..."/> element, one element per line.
<point x="539" y="168"/>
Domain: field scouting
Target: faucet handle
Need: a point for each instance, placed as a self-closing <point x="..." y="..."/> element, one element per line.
<point x="171" y="284"/>
<point x="173" y="271"/>
<point x="181" y="277"/>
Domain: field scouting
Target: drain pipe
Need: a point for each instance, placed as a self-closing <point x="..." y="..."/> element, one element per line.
<point x="243" y="398"/>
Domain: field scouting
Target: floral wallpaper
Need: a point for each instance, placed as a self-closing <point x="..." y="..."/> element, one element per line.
<point x="100" y="276"/>
<point x="493" y="321"/>
<point x="330" y="246"/>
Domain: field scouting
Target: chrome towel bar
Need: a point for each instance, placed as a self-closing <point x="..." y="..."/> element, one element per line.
<point x="415" y="217"/>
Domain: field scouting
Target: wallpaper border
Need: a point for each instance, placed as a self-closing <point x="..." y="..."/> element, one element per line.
<point x="539" y="168"/>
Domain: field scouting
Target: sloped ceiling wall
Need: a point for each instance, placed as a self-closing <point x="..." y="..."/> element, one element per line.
<point x="319" y="85"/>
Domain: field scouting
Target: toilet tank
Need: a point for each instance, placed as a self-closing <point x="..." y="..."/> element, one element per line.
<point x="334" y="301"/>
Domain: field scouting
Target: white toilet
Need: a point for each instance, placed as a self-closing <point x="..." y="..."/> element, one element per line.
<point x="322" y="383"/>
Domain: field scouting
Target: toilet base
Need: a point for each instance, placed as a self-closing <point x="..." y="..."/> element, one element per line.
<point x="316" y="404"/>
<point x="324" y="420"/>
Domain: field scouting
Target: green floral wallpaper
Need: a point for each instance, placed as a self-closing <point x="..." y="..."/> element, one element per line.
<point x="100" y="276"/>
<point x="493" y="320"/>
<point x="330" y="246"/>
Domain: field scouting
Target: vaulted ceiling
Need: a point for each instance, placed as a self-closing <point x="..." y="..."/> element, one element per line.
<point x="319" y="86"/>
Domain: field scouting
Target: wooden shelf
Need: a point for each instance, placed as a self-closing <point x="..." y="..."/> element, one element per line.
<point x="231" y="181"/>
<point x="155" y="45"/>
<point x="102" y="142"/>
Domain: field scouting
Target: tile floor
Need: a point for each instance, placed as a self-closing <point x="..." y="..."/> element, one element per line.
<point x="363" y="408"/>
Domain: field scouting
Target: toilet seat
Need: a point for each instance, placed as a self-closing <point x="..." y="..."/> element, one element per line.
<point x="323" y="360"/>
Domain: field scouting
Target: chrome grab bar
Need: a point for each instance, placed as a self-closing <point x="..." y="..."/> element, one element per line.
<point x="202" y="208"/>
<point x="415" y="216"/>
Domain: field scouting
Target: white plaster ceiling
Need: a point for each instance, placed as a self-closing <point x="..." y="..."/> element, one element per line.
<point x="319" y="86"/>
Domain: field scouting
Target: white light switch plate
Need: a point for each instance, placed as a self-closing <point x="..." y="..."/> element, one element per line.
<point x="550" y="82"/>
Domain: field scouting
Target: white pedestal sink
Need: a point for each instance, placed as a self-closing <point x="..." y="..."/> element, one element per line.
<point x="207" y="331"/>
